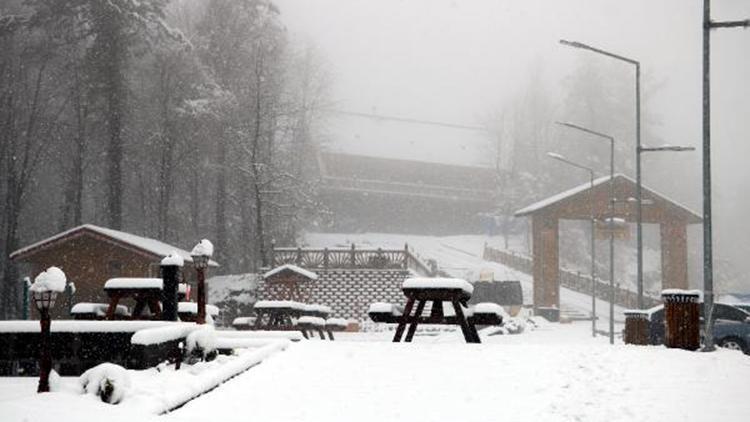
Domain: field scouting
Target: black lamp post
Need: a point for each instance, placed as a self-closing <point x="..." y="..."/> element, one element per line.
<point x="201" y="263"/>
<point x="201" y="254"/>
<point x="44" y="300"/>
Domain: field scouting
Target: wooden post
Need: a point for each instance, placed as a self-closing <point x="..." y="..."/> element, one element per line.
<point x="353" y="257"/>
<point x="298" y="259"/>
<point x="325" y="258"/>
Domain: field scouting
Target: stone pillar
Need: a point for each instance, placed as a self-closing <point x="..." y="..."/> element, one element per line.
<point x="546" y="262"/>
<point x="170" y="275"/>
<point x="674" y="255"/>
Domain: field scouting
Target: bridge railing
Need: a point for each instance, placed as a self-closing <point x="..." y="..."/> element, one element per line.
<point x="352" y="258"/>
<point x="573" y="280"/>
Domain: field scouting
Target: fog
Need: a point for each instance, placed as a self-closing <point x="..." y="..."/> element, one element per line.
<point x="455" y="61"/>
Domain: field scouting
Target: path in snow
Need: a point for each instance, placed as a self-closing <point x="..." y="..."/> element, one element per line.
<point x="524" y="377"/>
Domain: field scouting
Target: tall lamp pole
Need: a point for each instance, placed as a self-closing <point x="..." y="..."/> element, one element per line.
<point x="639" y="204"/>
<point x="201" y="254"/>
<point x="708" y="276"/>
<point x="45" y="289"/>
<point x="559" y="157"/>
<point x="611" y="221"/>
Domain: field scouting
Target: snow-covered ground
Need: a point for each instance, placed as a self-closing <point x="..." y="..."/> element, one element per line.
<point x="557" y="372"/>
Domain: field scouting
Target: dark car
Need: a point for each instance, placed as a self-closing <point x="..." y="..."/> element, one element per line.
<point x="733" y="335"/>
<point x="731" y="326"/>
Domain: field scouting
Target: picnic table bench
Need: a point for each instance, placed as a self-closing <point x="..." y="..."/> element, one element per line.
<point x="145" y="291"/>
<point x="444" y="294"/>
<point x="277" y="314"/>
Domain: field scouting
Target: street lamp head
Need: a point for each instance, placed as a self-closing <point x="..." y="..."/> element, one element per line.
<point x="574" y="44"/>
<point x="200" y="262"/>
<point x="46" y="286"/>
<point x="44" y="300"/>
<point x="201" y="254"/>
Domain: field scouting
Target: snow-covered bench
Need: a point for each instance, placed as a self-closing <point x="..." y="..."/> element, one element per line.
<point x="309" y="324"/>
<point x="335" y="324"/>
<point x="277" y="314"/>
<point x="486" y="313"/>
<point x="97" y="311"/>
<point x="316" y="310"/>
<point x="385" y="312"/>
<point x="188" y="311"/>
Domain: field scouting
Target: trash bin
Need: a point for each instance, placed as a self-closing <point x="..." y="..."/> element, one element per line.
<point x="551" y="314"/>
<point x="681" y="318"/>
<point x="637" y="329"/>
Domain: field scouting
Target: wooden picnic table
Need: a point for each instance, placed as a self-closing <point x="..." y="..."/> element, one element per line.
<point x="277" y="314"/>
<point x="454" y="292"/>
<point x="145" y="291"/>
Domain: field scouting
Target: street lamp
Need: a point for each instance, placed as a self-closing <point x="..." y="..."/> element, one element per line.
<point x="708" y="272"/>
<point x="45" y="289"/>
<point x="561" y="158"/>
<point x="639" y="205"/>
<point x="201" y="254"/>
<point x="610" y="221"/>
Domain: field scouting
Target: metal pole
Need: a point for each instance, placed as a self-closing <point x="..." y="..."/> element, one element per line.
<point x="611" y="242"/>
<point x="201" y="317"/>
<point x="708" y="281"/>
<point x="593" y="257"/>
<point x="639" y="205"/>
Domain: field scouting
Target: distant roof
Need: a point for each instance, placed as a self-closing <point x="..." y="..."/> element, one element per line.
<point x="289" y="267"/>
<point x="149" y="246"/>
<point x="568" y="195"/>
<point x="410" y="171"/>
<point x="406" y="139"/>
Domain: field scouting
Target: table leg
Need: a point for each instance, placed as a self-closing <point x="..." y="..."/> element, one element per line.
<point x="112" y="306"/>
<point x="469" y="332"/>
<point x="415" y="321"/>
<point x="403" y="320"/>
<point x="330" y="335"/>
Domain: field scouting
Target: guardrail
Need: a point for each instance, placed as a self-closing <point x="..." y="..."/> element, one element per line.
<point x="353" y="258"/>
<point x="575" y="281"/>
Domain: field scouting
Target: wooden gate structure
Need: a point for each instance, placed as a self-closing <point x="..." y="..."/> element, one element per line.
<point x="576" y="204"/>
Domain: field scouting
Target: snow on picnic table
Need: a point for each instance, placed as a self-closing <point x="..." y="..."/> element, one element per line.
<point x="497" y="380"/>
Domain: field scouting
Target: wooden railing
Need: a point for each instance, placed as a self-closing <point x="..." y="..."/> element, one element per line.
<point x="352" y="258"/>
<point x="573" y="280"/>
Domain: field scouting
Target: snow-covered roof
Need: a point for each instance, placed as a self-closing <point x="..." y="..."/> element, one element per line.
<point x="437" y="283"/>
<point x="554" y="199"/>
<point x="289" y="267"/>
<point x="143" y="244"/>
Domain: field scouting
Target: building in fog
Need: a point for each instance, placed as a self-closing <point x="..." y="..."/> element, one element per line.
<point x="396" y="175"/>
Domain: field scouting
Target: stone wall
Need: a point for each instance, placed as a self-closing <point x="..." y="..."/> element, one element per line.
<point x="349" y="292"/>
